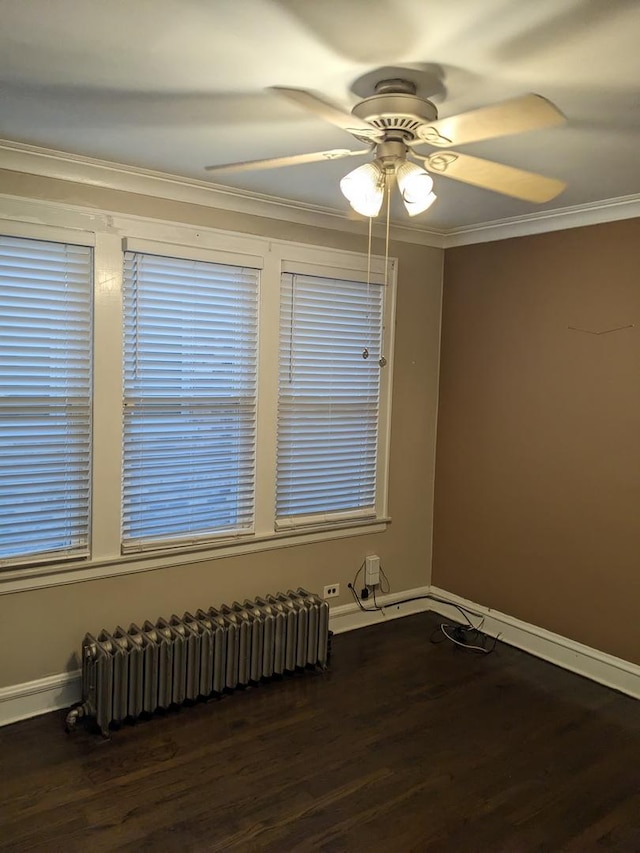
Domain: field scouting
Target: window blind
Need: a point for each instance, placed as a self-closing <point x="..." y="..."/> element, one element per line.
<point x="329" y="398"/>
<point x="45" y="399"/>
<point x="190" y="365"/>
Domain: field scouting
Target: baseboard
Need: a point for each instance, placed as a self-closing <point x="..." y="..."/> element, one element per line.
<point x="21" y="701"/>
<point x="348" y="617"/>
<point x="593" y="664"/>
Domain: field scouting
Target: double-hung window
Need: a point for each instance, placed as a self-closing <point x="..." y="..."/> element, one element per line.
<point x="45" y="399"/>
<point x="190" y="369"/>
<point x="330" y="365"/>
<point x="166" y="390"/>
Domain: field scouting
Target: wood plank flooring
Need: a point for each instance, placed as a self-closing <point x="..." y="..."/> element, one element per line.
<point x="402" y="745"/>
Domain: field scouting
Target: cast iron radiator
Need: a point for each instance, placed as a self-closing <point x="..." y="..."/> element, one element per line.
<point x="129" y="673"/>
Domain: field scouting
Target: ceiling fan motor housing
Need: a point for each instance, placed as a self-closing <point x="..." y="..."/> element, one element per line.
<point x="396" y="107"/>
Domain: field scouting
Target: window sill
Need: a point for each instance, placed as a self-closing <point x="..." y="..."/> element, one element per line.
<point x="56" y="574"/>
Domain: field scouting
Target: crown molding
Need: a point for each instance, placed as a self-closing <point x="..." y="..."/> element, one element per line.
<point x="578" y="216"/>
<point x="47" y="163"/>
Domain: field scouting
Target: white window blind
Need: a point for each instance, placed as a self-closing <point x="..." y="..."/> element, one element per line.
<point x="190" y="365"/>
<point x="329" y="396"/>
<point x="45" y="399"/>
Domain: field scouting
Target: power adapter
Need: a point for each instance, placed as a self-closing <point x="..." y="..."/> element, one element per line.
<point x="372" y="570"/>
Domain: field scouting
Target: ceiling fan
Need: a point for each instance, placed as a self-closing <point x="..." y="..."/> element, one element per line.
<point x="395" y="121"/>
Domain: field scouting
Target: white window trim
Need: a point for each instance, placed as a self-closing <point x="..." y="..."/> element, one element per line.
<point x="314" y="520"/>
<point x="77" y="551"/>
<point x="109" y="233"/>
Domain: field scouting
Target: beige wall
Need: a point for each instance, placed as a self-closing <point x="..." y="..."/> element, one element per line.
<point x="537" y="509"/>
<point x="43" y="629"/>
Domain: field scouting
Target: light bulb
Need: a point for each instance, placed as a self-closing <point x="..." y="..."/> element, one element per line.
<point x="416" y="187"/>
<point x="364" y="188"/>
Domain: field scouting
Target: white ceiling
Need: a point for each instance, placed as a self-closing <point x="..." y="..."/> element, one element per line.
<point x="174" y="85"/>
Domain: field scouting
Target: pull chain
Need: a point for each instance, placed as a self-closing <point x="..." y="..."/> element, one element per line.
<point x="383" y="361"/>
<point x="365" y="351"/>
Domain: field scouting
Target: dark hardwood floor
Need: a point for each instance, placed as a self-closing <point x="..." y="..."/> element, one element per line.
<point x="403" y="745"/>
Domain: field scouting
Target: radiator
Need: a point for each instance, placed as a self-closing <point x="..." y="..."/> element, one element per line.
<point x="126" y="674"/>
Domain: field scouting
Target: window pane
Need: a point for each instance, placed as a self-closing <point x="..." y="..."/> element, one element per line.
<point x="328" y="396"/>
<point x="45" y="399"/>
<point x="190" y="399"/>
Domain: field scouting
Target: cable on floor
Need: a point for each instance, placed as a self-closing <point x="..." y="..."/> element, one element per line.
<point x="467" y="636"/>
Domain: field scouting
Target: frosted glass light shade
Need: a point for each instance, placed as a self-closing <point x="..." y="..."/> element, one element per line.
<point x="364" y="188"/>
<point x="416" y="187"/>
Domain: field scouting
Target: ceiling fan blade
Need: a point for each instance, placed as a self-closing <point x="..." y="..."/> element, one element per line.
<point x="507" y="180"/>
<point x="329" y="112"/>
<point x="294" y="160"/>
<point x="530" y="112"/>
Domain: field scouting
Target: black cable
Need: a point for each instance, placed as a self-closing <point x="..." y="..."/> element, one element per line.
<point x="458" y="637"/>
<point x="469" y="628"/>
<point x="355" y="580"/>
<point x="388" y="589"/>
<point x="352" y="587"/>
<point x="459" y="633"/>
<point x="360" y="604"/>
<point x="430" y="597"/>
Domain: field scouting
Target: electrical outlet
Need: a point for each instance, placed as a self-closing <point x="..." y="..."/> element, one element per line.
<point x="332" y="591"/>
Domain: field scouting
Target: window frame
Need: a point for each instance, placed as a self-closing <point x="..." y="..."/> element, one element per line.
<point x="63" y="237"/>
<point x="336" y="517"/>
<point x="249" y="264"/>
<point x="110" y="234"/>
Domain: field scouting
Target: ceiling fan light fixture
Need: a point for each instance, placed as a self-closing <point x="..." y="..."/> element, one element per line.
<point x="416" y="187"/>
<point x="364" y="188"/>
<point x="415" y="207"/>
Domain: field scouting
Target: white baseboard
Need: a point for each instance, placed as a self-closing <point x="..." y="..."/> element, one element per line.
<point x="598" y="666"/>
<point x="348" y="617"/>
<point x="21" y="701"/>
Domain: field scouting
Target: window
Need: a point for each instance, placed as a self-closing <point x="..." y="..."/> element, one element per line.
<point x="45" y="399"/>
<point x="190" y="364"/>
<point x="329" y="398"/>
<point x="171" y="393"/>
